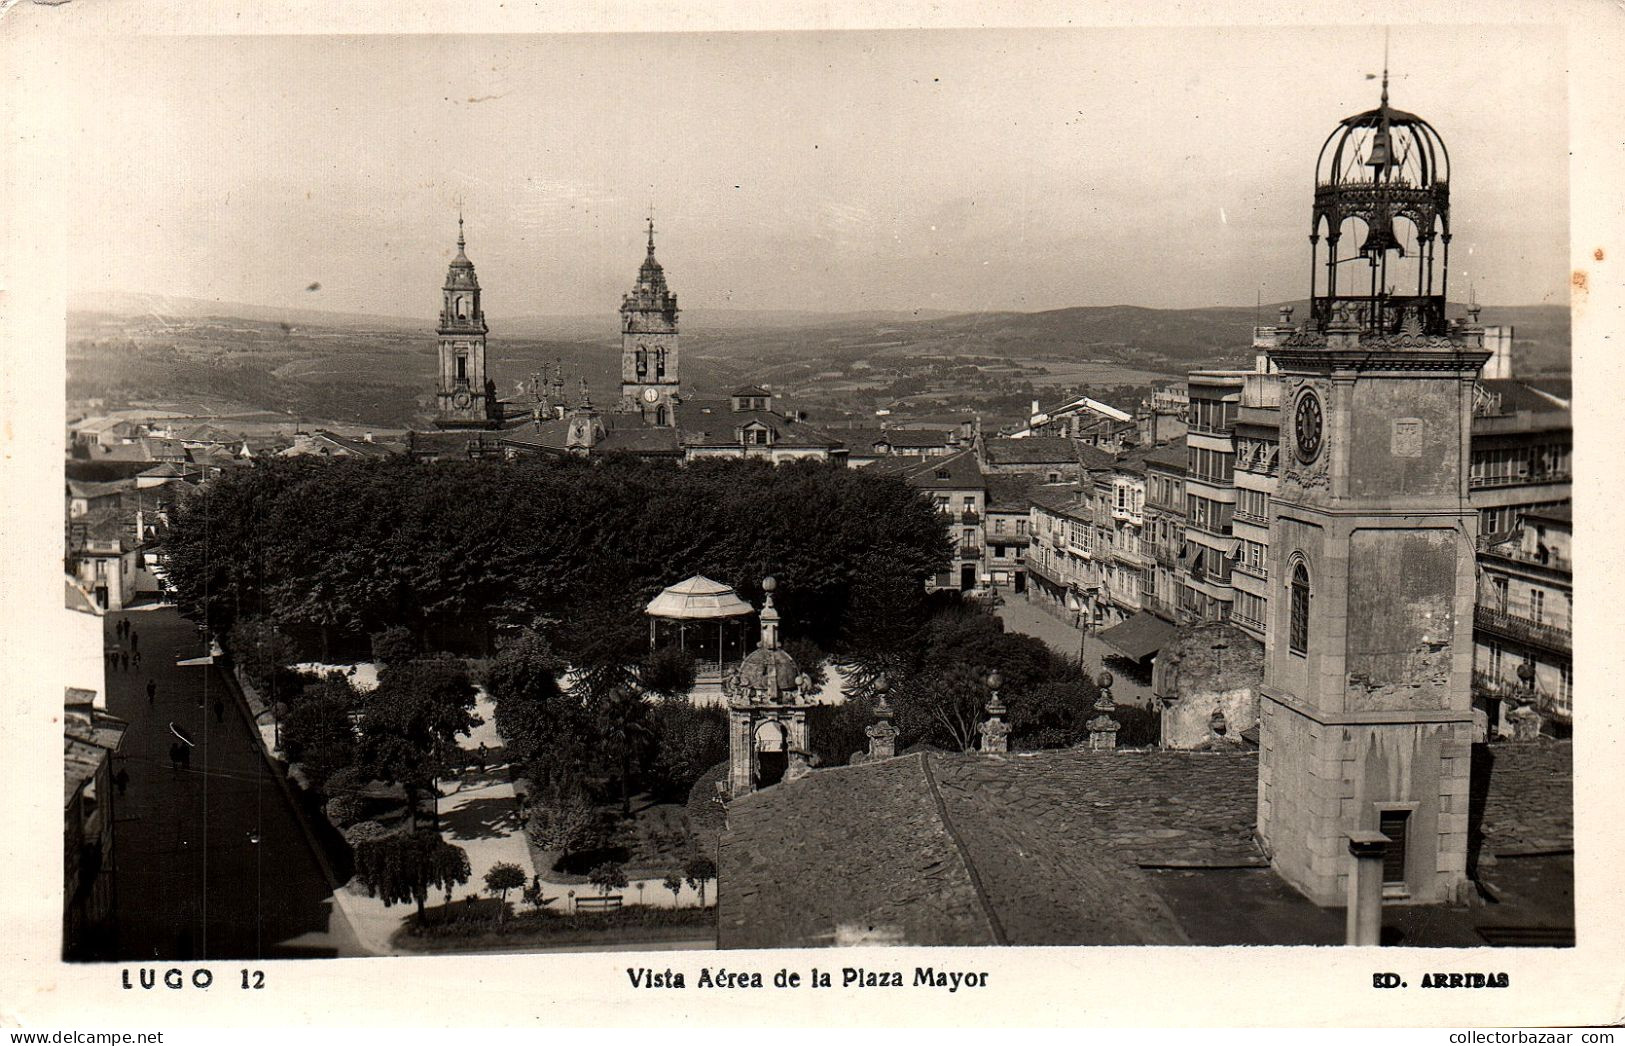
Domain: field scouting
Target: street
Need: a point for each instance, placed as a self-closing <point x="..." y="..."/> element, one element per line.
<point x="210" y="860"/>
<point x="1021" y="616"/>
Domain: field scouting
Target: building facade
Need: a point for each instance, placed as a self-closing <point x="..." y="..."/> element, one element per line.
<point x="1258" y="449"/>
<point x="1523" y="654"/>
<point x="1210" y="493"/>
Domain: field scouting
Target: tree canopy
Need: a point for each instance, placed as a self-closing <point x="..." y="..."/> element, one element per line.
<point x="353" y="547"/>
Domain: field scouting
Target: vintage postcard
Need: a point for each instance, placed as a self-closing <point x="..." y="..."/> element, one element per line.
<point x="1111" y="534"/>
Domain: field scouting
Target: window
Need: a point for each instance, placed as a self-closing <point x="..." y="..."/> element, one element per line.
<point x="1565" y="685"/>
<point x="1393" y="824"/>
<point x="998" y="551"/>
<point x="1500" y="587"/>
<point x="1496" y="654"/>
<point x="1021" y="526"/>
<point x="1298" y="639"/>
<point x="998" y="525"/>
<point x="462" y="368"/>
<point x="1537" y="606"/>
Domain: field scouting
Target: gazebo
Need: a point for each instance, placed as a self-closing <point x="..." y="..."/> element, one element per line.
<point x="709" y="621"/>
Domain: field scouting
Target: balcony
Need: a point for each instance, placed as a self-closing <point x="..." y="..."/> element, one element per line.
<point x="1506" y="623"/>
<point x="970" y="551"/>
<point x="1246" y="622"/>
<point x="1248" y="517"/>
<point x="1261" y="572"/>
<point x="970" y="519"/>
<point x="1516" y="554"/>
<point x="1526" y="480"/>
<point x="1165" y="556"/>
<point x="1556" y="706"/>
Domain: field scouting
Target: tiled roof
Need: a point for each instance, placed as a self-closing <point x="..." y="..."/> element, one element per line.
<point x="1057" y="847"/>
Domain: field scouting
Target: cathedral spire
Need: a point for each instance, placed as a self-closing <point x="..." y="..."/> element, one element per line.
<point x="460" y="244"/>
<point x="651" y="231"/>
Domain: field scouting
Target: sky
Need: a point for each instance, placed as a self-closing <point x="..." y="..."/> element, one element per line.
<point x="888" y="170"/>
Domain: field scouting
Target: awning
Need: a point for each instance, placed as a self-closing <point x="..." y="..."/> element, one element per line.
<point x="1140" y="636"/>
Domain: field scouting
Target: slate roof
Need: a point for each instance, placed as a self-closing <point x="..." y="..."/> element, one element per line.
<point x="949" y="472"/>
<point x="863" y="846"/>
<point x="1170" y="458"/>
<point x="1042" y="848"/>
<point x="1011" y="493"/>
<point x="623" y="434"/>
<point x="719" y="430"/>
<point x="1032" y="450"/>
<point x="1067" y="500"/>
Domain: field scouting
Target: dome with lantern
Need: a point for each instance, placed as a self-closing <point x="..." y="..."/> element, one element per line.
<point x="1383" y="176"/>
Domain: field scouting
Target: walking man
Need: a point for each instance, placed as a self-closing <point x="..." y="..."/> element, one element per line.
<point x="137" y="657"/>
<point x="124" y="660"/>
<point x="135" y="640"/>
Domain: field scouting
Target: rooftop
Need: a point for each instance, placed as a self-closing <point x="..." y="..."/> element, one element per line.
<point x="1078" y="847"/>
<point x="1032" y="450"/>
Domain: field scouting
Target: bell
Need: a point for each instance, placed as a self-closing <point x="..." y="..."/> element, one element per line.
<point x="1381" y="238"/>
<point x="1382" y="153"/>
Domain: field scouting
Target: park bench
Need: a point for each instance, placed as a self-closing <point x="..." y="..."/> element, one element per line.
<point x="598" y="904"/>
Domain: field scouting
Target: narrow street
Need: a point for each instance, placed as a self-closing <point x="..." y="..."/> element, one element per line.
<point x="1021" y="616"/>
<point x="211" y="861"/>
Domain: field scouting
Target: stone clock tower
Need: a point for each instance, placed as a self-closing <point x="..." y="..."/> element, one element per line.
<point x="465" y="396"/>
<point x="1366" y="716"/>
<point x="649" y="384"/>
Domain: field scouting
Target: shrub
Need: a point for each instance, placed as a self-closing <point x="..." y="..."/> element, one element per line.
<point x="608" y="876"/>
<point x="343" y="810"/>
<point x="687" y="741"/>
<point x="668" y="672"/>
<point x="364" y="832"/>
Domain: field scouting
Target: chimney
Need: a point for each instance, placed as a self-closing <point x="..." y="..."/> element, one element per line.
<point x="366" y="437"/>
<point x="1364" y="926"/>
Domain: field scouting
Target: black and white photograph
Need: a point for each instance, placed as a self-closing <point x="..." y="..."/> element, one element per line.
<point x="1103" y="485"/>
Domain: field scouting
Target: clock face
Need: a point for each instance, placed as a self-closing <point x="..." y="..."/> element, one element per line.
<point x="650" y="395"/>
<point x="463" y="398"/>
<point x="1308" y="425"/>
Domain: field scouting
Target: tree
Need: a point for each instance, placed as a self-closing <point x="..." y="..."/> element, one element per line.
<point x="395" y="645"/>
<point x="1052" y="715"/>
<point x="699" y="871"/>
<point x="405" y="866"/>
<point x="533" y="714"/>
<point x="499" y="879"/>
<point x="673" y="882"/>
<point x="260" y="649"/>
<point x="318" y="733"/>
<point x="623" y="728"/>
<point x="608" y="876"/>
<point x="410" y="723"/>
<point x="809" y="658"/>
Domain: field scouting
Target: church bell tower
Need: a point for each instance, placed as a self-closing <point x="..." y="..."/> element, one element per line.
<point x="1366" y="715"/>
<point x="465" y="396"/>
<point x="649" y="384"/>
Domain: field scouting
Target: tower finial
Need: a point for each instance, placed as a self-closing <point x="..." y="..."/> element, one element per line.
<point x="651" y="229"/>
<point x="1385" y="68"/>
<point x="460" y="243"/>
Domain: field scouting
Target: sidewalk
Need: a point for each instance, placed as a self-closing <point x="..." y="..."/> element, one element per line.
<point x="1021" y="616"/>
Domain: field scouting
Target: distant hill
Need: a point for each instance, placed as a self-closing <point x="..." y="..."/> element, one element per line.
<point x="200" y="356"/>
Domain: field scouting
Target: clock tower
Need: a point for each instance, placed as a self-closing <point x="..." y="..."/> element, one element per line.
<point x="649" y="384"/>
<point x="1366" y="713"/>
<point x="465" y="396"/>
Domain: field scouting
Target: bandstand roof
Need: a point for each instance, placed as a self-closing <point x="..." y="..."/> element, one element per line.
<point x="698" y="598"/>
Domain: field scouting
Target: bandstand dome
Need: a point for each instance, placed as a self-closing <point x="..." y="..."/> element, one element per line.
<point x="698" y="599"/>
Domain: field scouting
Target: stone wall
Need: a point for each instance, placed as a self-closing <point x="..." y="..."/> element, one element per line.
<point x="1213" y="667"/>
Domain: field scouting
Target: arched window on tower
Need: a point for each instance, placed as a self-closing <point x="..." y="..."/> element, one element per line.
<point x="660" y="363"/>
<point x="1298" y="631"/>
<point x="660" y="415"/>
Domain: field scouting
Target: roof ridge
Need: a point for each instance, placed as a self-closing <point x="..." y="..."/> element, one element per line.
<point x="982" y="898"/>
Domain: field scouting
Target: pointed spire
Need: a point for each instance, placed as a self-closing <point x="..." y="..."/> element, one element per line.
<point x="651" y="230"/>
<point x="1385" y="68"/>
<point x="460" y="243"/>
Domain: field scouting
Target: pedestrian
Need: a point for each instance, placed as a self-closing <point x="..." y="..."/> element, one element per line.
<point x="219" y="710"/>
<point x="484" y="752"/>
<point x="136" y="657"/>
<point x="135" y="640"/>
<point x="121" y="780"/>
<point x="152" y="691"/>
<point x="124" y="659"/>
